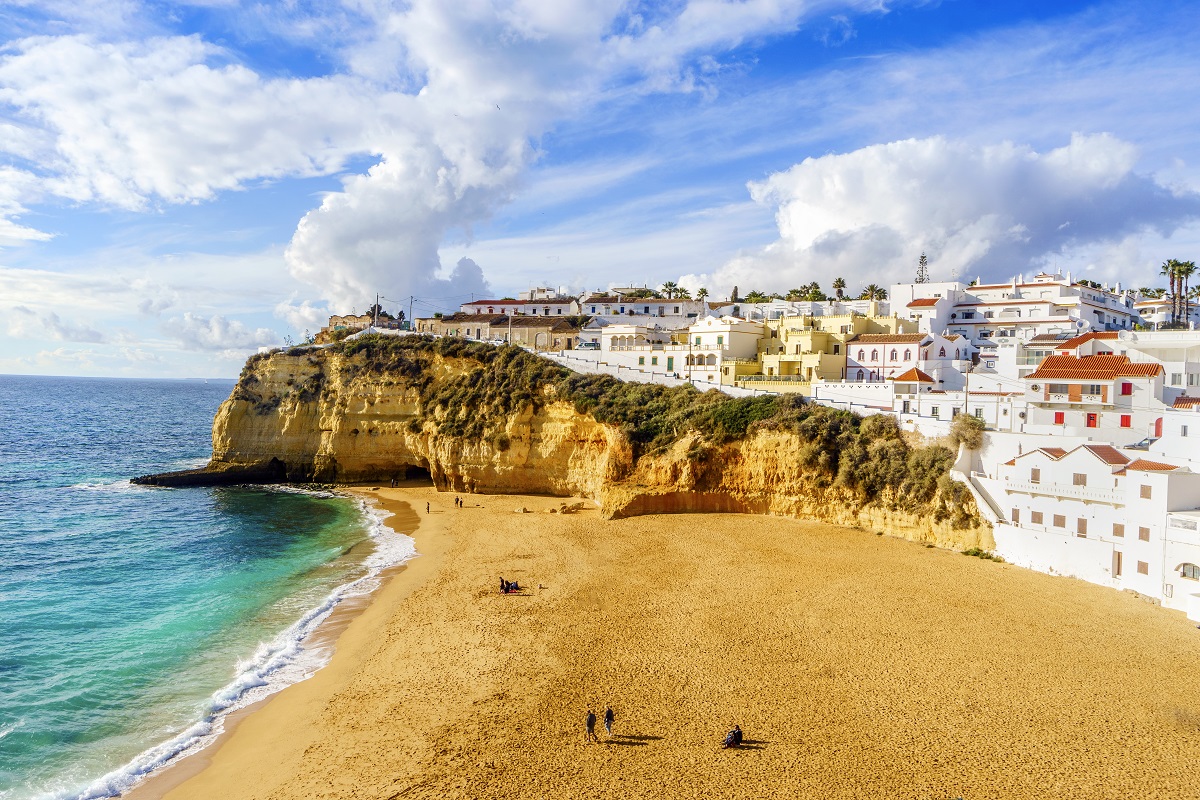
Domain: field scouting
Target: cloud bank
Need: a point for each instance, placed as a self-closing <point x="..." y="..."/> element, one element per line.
<point x="997" y="210"/>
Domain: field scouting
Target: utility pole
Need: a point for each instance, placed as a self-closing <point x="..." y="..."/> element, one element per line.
<point x="410" y="304"/>
<point x="375" y="321"/>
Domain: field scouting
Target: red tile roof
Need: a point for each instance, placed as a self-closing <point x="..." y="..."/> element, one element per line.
<point x="889" y="338"/>
<point x="1107" y="453"/>
<point x="1185" y="402"/>
<point x="1053" y="452"/>
<point x="1150" y="466"/>
<point x="1071" y="344"/>
<point x="924" y="302"/>
<point x="1096" y="368"/>
<point x="913" y="375"/>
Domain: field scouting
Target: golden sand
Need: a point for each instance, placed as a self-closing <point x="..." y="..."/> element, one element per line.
<point x="857" y="665"/>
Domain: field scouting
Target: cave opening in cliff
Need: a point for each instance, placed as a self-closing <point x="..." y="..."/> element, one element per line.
<point x="416" y="476"/>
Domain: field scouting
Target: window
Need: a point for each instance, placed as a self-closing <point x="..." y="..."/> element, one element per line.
<point x="1035" y="476"/>
<point x="954" y="412"/>
<point x="1145" y="492"/>
<point x="837" y="349"/>
<point x="697" y="340"/>
<point x="968" y="315"/>
<point x="1016" y="516"/>
<point x="979" y="413"/>
<point x="941" y="352"/>
<point x="874" y="355"/>
<point x="1126" y="420"/>
<point x="935" y="412"/>
<point x="1035" y="517"/>
<point x="1189" y="571"/>
<point x="1143" y="534"/>
<point x="645" y="309"/>
<point x="1143" y="568"/>
<point x="654" y="361"/>
<point x="860" y="356"/>
<point x="1118" y="530"/>
<point x="1191" y="379"/>
<point x="1058" y="388"/>
<point x="1116" y="563"/>
<point x="676" y="310"/>
<point x="908" y="355"/>
<point x="956" y="353"/>
<point x="861" y="375"/>
<point x="1081" y="528"/>
<point x="1126" y="389"/>
<point x="593" y="309"/>
<point x="1060" y="521"/>
<point x="1060" y="417"/>
<point x="1092" y="388"/>
<point x="1176" y="378"/>
<point x="641" y="361"/>
<point x="893" y="354"/>
<point x="720" y="341"/>
<point x="1079" y="479"/>
<point x="1183" y="431"/>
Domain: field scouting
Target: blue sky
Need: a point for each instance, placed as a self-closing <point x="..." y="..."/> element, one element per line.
<point x="181" y="183"/>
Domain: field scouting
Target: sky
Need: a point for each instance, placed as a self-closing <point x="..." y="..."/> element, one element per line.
<point x="182" y="183"/>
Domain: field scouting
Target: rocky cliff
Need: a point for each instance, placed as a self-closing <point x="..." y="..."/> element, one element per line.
<point x="475" y="418"/>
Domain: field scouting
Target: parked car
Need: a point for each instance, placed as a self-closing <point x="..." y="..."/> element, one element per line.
<point x="589" y="346"/>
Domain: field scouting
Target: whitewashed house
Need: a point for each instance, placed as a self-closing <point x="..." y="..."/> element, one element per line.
<point x="1105" y="516"/>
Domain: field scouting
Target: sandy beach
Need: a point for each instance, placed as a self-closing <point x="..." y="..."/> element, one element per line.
<point x="857" y="665"/>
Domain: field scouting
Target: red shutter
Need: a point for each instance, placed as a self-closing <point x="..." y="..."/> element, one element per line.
<point x="1060" y="417"/>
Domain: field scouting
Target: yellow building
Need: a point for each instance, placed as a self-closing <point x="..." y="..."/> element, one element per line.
<point x="799" y="350"/>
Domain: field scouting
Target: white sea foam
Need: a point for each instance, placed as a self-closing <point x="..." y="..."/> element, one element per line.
<point x="121" y="486"/>
<point x="5" y="730"/>
<point x="287" y="659"/>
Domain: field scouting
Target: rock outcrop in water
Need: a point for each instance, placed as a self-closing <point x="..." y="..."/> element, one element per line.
<point x="475" y="418"/>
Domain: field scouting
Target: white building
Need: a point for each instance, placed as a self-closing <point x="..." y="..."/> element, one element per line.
<point x="1047" y="304"/>
<point x="873" y="357"/>
<point x="556" y="307"/>
<point x="1102" y="515"/>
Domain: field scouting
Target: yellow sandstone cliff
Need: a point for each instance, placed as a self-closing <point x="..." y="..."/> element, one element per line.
<point x="320" y="416"/>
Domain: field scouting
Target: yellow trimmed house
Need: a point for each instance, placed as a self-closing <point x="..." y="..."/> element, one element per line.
<point x="798" y="350"/>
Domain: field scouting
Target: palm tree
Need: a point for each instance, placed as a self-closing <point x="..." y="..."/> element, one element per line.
<point x="794" y="295"/>
<point x="873" y="292"/>
<point x="1168" y="269"/>
<point x="669" y="289"/>
<point x="755" y="297"/>
<point x="701" y="294"/>
<point x="839" y="286"/>
<point x="1185" y="270"/>
<point x="813" y="293"/>
<point x="683" y="294"/>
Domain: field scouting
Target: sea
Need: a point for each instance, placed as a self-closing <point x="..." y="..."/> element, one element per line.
<point x="134" y="619"/>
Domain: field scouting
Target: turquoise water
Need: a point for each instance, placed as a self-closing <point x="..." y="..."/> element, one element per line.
<point x="133" y="618"/>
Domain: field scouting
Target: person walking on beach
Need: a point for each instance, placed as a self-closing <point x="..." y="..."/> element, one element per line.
<point x="609" y="716"/>
<point x="427" y="508"/>
<point x="590" y="724"/>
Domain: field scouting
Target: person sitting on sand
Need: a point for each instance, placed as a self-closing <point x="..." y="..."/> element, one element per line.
<point x="514" y="587"/>
<point x="503" y="585"/>
<point x="734" y="737"/>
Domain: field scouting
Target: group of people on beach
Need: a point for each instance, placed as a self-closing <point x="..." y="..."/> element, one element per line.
<point x="732" y="739"/>
<point x="590" y="724"/>
<point x="508" y="586"/>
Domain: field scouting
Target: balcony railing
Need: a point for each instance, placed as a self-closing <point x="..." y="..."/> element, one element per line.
<point x="1084" y="493"/>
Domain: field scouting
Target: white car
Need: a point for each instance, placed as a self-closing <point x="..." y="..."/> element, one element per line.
<point x="589" y="346"/>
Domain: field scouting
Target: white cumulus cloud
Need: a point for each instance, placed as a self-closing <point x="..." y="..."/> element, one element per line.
<point x="996" y="210"/>
<point x="196" y="332"/>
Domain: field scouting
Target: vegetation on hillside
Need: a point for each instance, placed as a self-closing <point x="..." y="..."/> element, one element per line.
<point x="866" y="456"/>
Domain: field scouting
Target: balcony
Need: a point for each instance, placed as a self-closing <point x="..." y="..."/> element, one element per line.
<point x="1085" y="493"/>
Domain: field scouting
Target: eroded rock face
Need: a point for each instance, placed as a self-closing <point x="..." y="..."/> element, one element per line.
<point x="318" y="417"/>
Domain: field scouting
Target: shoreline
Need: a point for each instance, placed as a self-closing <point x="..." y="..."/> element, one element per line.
<point x="402" y="519"/>
<point x="857" y="666"/>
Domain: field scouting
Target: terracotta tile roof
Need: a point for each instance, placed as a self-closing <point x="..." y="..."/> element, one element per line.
<point x="889" y="338"/>
<point x="1054" y="452"/>
<point x="924" y="302"/>
<point x="1096" y="368"/>
<point x="1150" y="466"/>
<point x="1071" y="344"/>
<point x="505" y="302"/>
<point x="1047" y="338"/>
<point x="913" y="375"/>
<point x="462" y="316"/>
<point x="1012" y="462"/>
<point x="1107" y="453"/>
<point x="1185" y="402"/>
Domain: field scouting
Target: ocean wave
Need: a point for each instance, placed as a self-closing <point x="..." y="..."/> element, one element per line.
<point x="287" y="659"/>
<point x="119" y="486"/>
